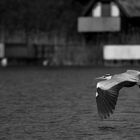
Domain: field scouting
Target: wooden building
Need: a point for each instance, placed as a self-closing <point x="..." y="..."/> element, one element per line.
<point x="110" y="16"/>
<point x="107" y="16"/>
<point x="100" y="16"/>
<point x="105" y="22"/>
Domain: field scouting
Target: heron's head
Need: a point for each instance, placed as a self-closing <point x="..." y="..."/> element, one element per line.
<point x="106" y="77"/>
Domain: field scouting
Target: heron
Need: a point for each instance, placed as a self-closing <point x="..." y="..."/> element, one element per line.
<point x="108" y="90"/>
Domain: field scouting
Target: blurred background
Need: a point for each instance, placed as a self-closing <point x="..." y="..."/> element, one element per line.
<point x="73" y="32"/>
<point x="48" y="102"/>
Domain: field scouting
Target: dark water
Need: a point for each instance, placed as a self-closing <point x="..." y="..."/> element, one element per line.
<point x="59" y="104"/>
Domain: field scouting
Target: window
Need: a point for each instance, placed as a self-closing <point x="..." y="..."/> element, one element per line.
<point x="105" y="10"/>
<point x="115" y="12"/>
<point x="97" y="10"/>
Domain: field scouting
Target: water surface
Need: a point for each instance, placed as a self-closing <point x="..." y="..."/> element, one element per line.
<point x="59" y="104"/>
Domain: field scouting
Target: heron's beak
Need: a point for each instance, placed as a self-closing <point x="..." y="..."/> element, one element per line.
<point x="102" y="77"/>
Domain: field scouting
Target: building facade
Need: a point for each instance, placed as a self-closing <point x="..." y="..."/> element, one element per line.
<point x="109" y="22"/>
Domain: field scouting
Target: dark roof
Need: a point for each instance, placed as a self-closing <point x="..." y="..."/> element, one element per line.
<point x="127" y="7"/>
<point x="132" y="7"/>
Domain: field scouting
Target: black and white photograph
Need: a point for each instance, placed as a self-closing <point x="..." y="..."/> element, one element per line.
<point x="69" y="69"/>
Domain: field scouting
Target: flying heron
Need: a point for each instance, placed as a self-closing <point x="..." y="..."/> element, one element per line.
<point x="108" y="90"/>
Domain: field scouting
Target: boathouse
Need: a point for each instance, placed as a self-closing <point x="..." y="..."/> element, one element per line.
<point x="113" y="23"/>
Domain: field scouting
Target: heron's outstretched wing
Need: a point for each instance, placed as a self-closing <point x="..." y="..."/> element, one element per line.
<point x="133" y="72"/>
<point x="107" y="98"/>
<point x="135" y="75"/>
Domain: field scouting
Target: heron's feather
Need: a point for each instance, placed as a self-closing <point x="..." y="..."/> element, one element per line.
<point x="106" y="102"/>
<point x="108" y="106"/>
<point x="107" y="84"/>
<point x="133" y="72"/>
<point x="123" y="79"/>
<point x="107" y="99"/>
<point x="102" y="109"/>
